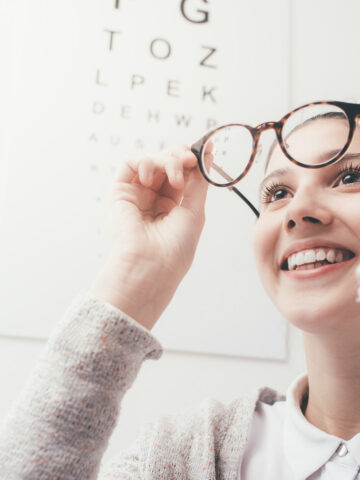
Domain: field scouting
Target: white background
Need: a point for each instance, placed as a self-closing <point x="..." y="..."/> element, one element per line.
<point x="324" y="52"/>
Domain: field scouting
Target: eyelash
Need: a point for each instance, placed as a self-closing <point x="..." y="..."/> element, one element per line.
<point x="273" y="187"/>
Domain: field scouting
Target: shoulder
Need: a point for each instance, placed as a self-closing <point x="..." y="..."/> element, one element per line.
<point x="211" y="424"/>
<point x="208" y="438"/>
<point x="214" y="416"/>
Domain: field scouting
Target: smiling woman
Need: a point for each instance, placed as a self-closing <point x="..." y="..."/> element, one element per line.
<point x="306" y="244"/>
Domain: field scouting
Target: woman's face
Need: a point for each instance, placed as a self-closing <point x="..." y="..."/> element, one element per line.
<point x="315" y="212"/>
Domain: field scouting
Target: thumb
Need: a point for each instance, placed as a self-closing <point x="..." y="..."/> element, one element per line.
<point x="195" y="191"/>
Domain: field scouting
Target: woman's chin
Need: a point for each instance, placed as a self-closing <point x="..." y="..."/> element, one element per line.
<point x="316" y="314"/>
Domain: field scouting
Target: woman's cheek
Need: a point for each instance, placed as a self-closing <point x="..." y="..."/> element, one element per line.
<point x="349" y="212"/>
<point x="264" y="247"/>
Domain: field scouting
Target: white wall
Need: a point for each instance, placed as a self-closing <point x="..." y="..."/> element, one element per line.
<point x="324" y="65"/>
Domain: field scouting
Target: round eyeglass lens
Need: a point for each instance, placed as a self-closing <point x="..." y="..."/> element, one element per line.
<point x="231" y="149"/>
<point x="315" y="134"/>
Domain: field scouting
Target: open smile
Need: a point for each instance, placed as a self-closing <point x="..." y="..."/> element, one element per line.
<point x="313" y="271"/>
<point x="314" y="258"/>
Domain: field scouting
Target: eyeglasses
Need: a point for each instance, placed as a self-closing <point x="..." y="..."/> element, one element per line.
<point x="234" y="146"/>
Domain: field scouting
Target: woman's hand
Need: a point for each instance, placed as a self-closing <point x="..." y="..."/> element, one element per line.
<point x="156" y="218"/>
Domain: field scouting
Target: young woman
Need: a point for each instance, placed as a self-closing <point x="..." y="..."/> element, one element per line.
<point x="306" y="244"/>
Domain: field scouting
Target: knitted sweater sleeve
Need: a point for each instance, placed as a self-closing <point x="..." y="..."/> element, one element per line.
<point x="60" y="425"/>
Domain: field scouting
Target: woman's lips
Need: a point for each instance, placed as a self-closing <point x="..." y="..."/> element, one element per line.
<point x="310" y="244"/>
<point x="317" y="272"/>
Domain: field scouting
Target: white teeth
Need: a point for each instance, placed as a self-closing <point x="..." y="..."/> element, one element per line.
<point x="291" y="263"/>
<point x="330" y="256"/>
<point x="309" y="266"/>
<point x="320" y="255"/>
<point x="314" y="258"/>
<point x="309" y="256"/>
<point x="339" y="256"/>
<point x="299" y="258"/>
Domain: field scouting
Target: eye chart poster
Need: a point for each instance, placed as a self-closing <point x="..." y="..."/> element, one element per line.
<point x="91" y="82"/>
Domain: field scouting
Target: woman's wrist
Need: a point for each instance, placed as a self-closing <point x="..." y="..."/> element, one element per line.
<point x="132" y="288"/>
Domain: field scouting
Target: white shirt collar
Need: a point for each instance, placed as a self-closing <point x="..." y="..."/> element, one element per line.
<point x="306" y="447"/>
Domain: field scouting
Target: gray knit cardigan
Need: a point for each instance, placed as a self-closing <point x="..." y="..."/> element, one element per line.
<point x="59" y="427"/>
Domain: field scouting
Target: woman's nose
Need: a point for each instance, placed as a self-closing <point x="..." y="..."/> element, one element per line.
<point x="304" y="213"/>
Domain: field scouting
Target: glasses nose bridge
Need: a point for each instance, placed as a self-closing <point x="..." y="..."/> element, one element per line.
<point x="263" y="127"/>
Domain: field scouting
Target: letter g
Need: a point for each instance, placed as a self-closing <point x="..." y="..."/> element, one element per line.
<point x="204" y="18"/>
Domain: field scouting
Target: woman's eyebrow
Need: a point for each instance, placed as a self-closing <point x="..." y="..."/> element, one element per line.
<point x="347" y="156"/>
<point x="281" y="172"/>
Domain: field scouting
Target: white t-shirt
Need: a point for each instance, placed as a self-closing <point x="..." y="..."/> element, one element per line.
<point x="283" y="445"/>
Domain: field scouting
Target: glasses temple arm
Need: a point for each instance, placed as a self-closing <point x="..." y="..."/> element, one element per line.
<point x="234" y="189"/>
<point x="248" y="203"/>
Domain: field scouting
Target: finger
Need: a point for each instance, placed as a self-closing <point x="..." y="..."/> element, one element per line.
<point x="146" y="171"/>
<point x="176" y="159"/>
<point x="151" y="171"/>
<point x="173" y="188"/>
<point x="208" y="161"/>
<point x="178" y="150"/>
<point x="209" y="147"/>
<point x="174" y="171"/>
<point x="127" y="170"/>
<point x="195" y="192"/>
<point x="187" y="157"/>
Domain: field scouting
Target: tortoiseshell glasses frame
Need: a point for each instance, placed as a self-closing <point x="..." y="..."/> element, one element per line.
<point x="351" y="111"/>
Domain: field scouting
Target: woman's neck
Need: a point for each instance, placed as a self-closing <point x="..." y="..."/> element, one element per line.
<point x="333" y="366"/>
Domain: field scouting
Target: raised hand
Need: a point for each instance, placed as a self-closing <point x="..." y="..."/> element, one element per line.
<point x="156" y="217"/>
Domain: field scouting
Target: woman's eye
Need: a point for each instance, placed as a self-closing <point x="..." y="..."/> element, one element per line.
<point x="272" y="193"/>
<point x="278" y="194"/>
<point x="348" y="174"/>
<point x="350" y="177"/>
